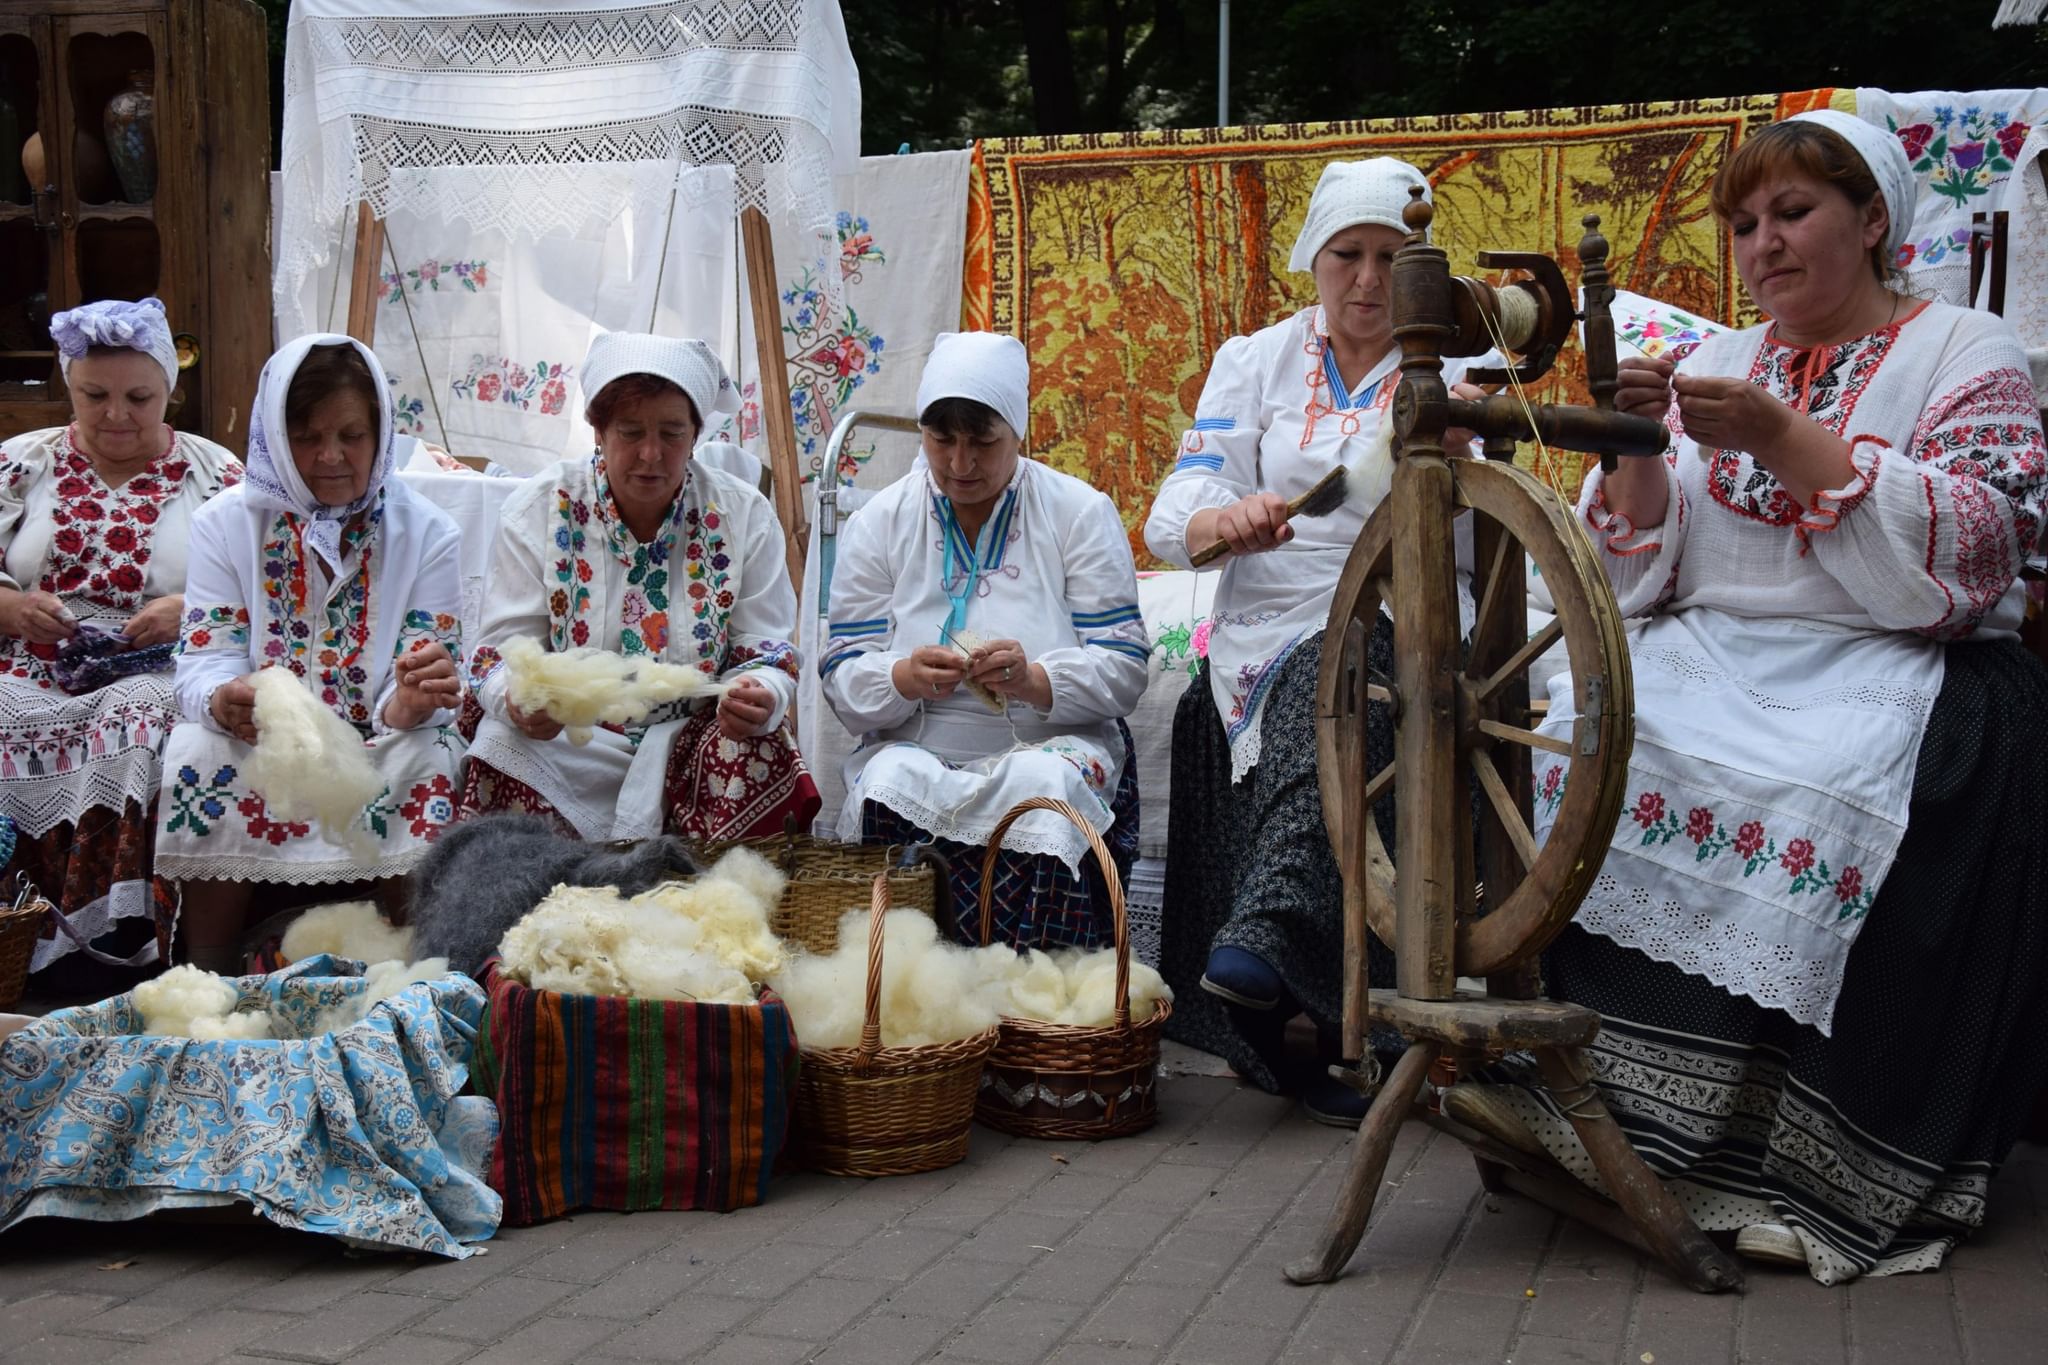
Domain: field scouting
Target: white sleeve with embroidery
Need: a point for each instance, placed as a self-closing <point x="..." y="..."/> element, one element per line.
<point x="763" y="619"/>
<point x="24" y="462"/>
<point x="1930" y="538"/>
<point x="213" y="639"/>
<point x="859" y="652"/>
<point x="515" y="593"/>
<point x="1641" y="561"/>
<point x="1219" y="454"/>
<point x="433" y="615"/>
<point x="1101" y="676"/>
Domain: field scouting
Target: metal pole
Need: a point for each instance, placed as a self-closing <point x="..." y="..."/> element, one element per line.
<point x="1222" y="63"/>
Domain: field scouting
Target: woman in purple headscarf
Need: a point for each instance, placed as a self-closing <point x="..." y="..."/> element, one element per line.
<point x="94" y="518"/>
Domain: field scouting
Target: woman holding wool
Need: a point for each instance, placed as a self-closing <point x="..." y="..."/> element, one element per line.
<point x="986" y="643"/>
<point x="94" y="525"/>
<point x="1819" y="941"/>
<point x="644" y="551"/>
<point x="1255" y="934"/>
<point x="322" y="563"/>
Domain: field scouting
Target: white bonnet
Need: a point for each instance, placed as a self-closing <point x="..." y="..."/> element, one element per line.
<point x="988" y="367"/>
<point x="686" y="362"/>
<point x="1888" y="165"/>
<point x="1354" y="192"/>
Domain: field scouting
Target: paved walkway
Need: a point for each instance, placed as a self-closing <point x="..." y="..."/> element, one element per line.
<point x="1166" y="1246"/>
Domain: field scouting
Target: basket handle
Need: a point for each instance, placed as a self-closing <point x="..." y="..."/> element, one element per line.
<point x="1109" y="879"/>
<point x="871" y="1021"/>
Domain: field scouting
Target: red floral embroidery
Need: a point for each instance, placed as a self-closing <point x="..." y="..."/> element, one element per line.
<point x="1800" y="861"/>
<point x="261" y="826"/>
<point x="431" y="805"/>
<point x="1749" y="838"/>
<point x="1699" y="824"/>
<point x="1850" y="884"/>
<point x="1798" y="856"/>
<point x="1649" y="809"/>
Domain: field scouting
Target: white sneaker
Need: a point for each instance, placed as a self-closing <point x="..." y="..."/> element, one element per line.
<point x="1773" y="1242"/>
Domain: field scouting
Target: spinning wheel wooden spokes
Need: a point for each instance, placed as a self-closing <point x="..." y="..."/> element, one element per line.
<point x="1531" y="888"/>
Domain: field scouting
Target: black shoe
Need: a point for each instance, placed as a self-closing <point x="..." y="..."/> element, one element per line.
<point x="1340" y="1102"/>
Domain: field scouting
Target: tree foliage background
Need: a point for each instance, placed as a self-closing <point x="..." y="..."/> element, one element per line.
<point x="940" y="73"/>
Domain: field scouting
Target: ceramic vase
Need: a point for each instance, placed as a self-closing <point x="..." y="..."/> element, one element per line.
<point x="130" y="124"/>
<point x="32" y="164"/>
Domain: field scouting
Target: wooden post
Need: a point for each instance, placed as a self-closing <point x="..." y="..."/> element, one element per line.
<point x="362" y="283"/>
<point x="775" y="414"/>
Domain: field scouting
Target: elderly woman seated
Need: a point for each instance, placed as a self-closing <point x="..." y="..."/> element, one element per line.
<point x="94" y="522"/>
<point x="985" y="640"/>
<point x="322" y="563"/>
<point x="1820" y="936"/>
<point x="644" y="551"/>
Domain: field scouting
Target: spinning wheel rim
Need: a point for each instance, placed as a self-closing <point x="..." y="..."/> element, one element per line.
<point x="1521" y="924"/>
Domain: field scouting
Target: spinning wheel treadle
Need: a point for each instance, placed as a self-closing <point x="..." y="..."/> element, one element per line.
<point x="1463" y="724"/>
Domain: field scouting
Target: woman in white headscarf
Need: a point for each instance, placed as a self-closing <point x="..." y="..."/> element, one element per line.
<point x="94" y="522"/>
<point x="986" y="643"/>
<point x="641" y="549"/>
<point x="1254" y="935"/>
<point x="1819" y="941"/>
<point x="322" y="563"/>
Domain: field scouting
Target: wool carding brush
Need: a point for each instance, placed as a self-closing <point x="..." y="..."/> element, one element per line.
<point x="1324" y="497"/>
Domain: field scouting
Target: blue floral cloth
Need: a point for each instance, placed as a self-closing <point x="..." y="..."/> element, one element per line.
<point x="359" y="1133"/>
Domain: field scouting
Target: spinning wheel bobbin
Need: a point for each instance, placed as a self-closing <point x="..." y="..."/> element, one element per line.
<point x="1463" y="722"/>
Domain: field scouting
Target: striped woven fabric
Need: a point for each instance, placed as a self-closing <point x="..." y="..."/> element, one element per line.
<point x="610" y="1103"/>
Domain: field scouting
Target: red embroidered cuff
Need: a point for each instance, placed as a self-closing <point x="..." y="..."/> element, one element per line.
<point x="1622" y="536"/>
<point x="1829" y="506"/>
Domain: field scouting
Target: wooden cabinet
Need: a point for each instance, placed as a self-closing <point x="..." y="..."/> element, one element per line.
<point x="200" y="241"/>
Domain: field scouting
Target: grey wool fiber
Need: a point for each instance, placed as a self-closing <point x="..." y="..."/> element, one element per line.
<point x="484" y="875"/>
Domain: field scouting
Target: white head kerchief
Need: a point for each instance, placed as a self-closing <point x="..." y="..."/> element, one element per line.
<point x="1881" y="152"/>
<point x="1354" y="192"/>
<point x="988" y="367"/>
<point x="139" y="326"/>
<point x="685" y="362"/>
<point x="270" y="473"/>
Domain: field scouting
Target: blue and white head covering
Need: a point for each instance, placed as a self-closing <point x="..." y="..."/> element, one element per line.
<point x="1888" y="164"/>
<point x="139" y="325"/>
<point x="270" y="475"/>
<point x="1354" y="192"/>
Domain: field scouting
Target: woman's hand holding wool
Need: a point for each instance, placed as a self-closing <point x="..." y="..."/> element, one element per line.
<point x="1001" y="667"/>
<point x="233" y="705"/>
<point x="744" y="710"/>
<point x="929" y="673"/>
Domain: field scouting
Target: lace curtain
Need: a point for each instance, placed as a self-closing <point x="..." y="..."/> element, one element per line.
<point x="555" y="120"/>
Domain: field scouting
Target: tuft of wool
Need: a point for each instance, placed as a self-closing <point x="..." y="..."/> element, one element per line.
<point x="1091" y="988"/>
<point x="351" y="929"/>
<point x="706" y="939"/>
<point x="309" y="764"/>
<point x="190" y="1002"/>
<point x="967" y="641"/>
<point x="383" y="980"/>
<point x="932" y="991"/>
<point x="585" y="688"/>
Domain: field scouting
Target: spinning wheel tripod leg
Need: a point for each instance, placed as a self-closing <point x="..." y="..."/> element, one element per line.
<point x="1375" y="1141"/>
<point x="1667" y="1231"/>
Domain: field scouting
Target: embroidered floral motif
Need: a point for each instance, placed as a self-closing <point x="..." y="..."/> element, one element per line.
<point x="831" y="356"/>
<point x="1551" y="791"/>
<point x="408" y="414"/>
<point x="427" y="627"/>
<point x="1933" y="250"/>
<point x="1806" y="872"/>
<point x="1825" y="383"/>
<point x="262" y="827"/>
<point x="214" y="627"/>
<point x="430" y="806"/>
<point x="500" y="379"/>
<point x="196" y="805"/>
<point x="331" y="658"/>
<point x="432" y="275"/>
<point x="1961" y="154"/>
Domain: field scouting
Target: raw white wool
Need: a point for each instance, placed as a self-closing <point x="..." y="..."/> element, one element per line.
<point x="190" y="1002"/>
<point x="932" y="991"/>
<point x="585" y="688"/>
<point x="383" y="980"/>
<point x="1091" y="988"/>
<point x="351" y="929"/>
<point x="309" y="763"/>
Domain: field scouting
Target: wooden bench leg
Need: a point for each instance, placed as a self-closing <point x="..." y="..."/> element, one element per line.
<point x="1369" y="1152"/>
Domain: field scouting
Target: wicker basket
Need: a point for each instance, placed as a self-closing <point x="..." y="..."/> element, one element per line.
<point x="827" y="877"/>
<point x="873" y="1110"/>
<point x="1062" y="1080"/>
<point x="19" y="930"/>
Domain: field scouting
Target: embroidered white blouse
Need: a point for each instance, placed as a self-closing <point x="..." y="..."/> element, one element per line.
<point x="1053" y="571"/>
<point x="1276" y="417"/>
<point x="1784" y="678"/>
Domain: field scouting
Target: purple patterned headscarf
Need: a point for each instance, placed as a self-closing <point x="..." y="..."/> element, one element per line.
<point x="271" y="477"/>
<point x="138" y="326"/>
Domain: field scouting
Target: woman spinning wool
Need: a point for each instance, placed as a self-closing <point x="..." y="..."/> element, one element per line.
<point x="94" y="520"/>
<point x="986" y="641"/>
<point x="322" y="563"/>
<point x="1820" y="937"/>
<point x="641" y="550"/>
<point x="1255" y="890"/>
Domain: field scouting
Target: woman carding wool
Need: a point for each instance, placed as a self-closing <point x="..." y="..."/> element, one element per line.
<point x="94" y="523"/>
<point x="322" y="563"/>
<point x="644" y="551"/>
<point x="985" y="639"/>
<point x="1820" y="937"/>
<point x="1256" y="932"/>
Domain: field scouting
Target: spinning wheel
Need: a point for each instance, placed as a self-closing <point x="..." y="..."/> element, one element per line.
<point x="1463" y="723"/>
